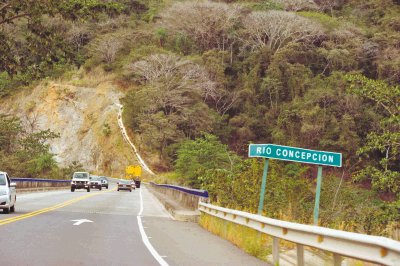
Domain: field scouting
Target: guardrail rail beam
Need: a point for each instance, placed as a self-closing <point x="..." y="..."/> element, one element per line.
<point x="367" y="248"/>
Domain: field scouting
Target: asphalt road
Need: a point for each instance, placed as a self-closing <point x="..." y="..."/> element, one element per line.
<point x="125" y="228"/>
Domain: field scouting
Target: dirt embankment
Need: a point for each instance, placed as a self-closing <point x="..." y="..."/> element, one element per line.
<point x="83" y="110"/>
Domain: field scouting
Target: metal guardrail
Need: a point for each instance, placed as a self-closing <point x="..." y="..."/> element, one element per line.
<point x="358" y="246"/>
<point x="17" y="179"/>
<point x="196" y="192"/>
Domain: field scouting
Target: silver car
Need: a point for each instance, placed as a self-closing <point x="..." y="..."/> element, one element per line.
<point x="95" y="182"/>
<point x="124" y="185"/>
<point x="8" y="194"/>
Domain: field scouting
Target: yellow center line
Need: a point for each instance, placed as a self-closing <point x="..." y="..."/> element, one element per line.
<point x="51" y="208"/>
<point x="44" y="209"/>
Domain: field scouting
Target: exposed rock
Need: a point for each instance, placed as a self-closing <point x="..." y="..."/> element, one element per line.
<point x="79" y="115"/>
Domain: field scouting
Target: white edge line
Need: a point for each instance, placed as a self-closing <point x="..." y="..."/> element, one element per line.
<point x="145" y="239"/>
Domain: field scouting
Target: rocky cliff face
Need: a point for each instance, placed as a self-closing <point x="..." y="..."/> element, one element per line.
<point x="85" y="117"/>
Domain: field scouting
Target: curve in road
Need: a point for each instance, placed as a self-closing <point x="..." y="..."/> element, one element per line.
<point x="113" y="237"/>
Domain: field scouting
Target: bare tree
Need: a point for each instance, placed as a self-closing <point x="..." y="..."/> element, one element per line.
<point x="274" y="29"/>
<point x="31" y="121"/>
<point x="175" y="81"/>
<point x="78" y="35"/>
<point x="209" y="24"/>
<point x="329" y="5"/>
<point x="297" y="5"/>
<point x="224" y="100"/>
<point x="175" y="74"/>
<point x="107" y="48"/>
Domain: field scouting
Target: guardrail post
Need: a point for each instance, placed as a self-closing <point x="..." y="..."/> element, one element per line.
<point x="337" y="259"/>
<point x="300" y="254"/>
<point x="275" y="250"/>
<point x="374" y="249"/>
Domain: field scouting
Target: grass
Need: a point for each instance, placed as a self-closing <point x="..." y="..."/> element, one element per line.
<point x="168" y="178"/>
<point x="253" y="242"/>
<point x="264" y="5"/>
<point x="91" y="79"/>
<point x="260" y="245"/>
<point x="328" y="22"/>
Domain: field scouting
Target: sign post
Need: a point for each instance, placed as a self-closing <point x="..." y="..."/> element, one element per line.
<point x="263" y="184"/>
<point x="317" y="195"/>
<point x="286" y="153"/>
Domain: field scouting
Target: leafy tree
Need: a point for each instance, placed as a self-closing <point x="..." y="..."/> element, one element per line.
<point x="10" y="128"/>
<point x="195" y="157"/>
<point x="385" y="141"/>
<point x="40" y="165"/>
<point x="171" y="101"/>
<point x="243" y="132"/>
<point x="24" y="154"/>
<point x="81" y="9"/>
<point x="290" y="68"/>
<point x="217" y="64"/>
<point x="10" y="11"/>
<point x="35" y="144"/>
<point x="159" y="130"/>
<point x="35" y="39"/>
<point x="271" y="88"/>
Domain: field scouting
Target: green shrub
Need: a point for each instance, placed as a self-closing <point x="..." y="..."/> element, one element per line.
<point x="4" y="84"/>
<point x="264" y="5"/>
<point x="106" y="129"/>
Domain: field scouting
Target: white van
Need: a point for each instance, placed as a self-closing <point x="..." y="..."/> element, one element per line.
<point x="8" y="194"/>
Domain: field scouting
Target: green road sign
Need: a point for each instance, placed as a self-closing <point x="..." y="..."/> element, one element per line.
<point x="294" y="154"/>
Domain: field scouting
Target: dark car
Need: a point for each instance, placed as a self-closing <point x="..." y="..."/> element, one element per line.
<point x="104" y="181"/>
<point x="124" y="185"/>
<point x="137" y="182"/>
<point x="95" y="182"/>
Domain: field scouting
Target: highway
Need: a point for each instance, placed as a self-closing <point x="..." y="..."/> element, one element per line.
<point x="107" y="228"/>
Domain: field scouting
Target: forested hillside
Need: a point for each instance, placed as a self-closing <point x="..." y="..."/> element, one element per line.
<point x="203" y="79"/>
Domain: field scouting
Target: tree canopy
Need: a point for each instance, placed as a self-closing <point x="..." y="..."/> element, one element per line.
<point x="203" y="79"/>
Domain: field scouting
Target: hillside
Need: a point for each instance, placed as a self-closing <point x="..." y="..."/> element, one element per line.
<point x="83" y="112"/>
<point x="199" y="81"/>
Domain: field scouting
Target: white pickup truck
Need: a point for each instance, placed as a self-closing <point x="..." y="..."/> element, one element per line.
<point x="8" y="194"/>
<point x="80" y="180"/>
